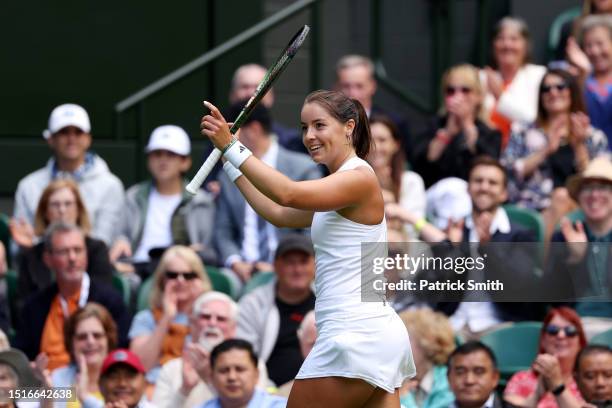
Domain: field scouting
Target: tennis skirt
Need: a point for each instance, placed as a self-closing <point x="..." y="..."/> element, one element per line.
<point x="367" y="341"/>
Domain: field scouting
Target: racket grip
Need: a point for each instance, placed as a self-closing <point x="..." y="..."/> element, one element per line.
<point x="205" y="169"/>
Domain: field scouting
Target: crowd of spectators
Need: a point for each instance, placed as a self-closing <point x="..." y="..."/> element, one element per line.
<point x="513" y="137"/>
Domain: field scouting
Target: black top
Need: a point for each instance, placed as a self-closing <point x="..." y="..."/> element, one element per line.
<point x="456" y="159"/>
<point x="286" y="358"/>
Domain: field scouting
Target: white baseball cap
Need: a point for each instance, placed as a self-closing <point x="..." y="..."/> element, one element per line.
<point x="67" y="114"/>
<point x="171" y="138"/>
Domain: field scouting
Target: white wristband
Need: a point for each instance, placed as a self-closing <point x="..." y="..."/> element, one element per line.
<point x="232" y="172"/>
<point x="236" y="154"/>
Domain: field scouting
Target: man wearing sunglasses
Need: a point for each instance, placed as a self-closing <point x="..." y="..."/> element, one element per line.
<point x="578" y="270"/>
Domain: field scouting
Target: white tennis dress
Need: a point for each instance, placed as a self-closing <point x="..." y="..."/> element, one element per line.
<point x="365" y="340"/>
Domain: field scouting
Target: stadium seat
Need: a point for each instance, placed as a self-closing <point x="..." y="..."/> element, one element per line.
<point x="515" y="347"/>
<point x="142" y="302"/>
<point x="554" y="34"/>
<point x="220" y="282"/>
<point x="258" y="280"/>
<point x="5" y="237"/>
<point x="526" y="218"/>
<point x="604" y="338"/>
<point x="532" y="220"/>
<point x="122" y="285"/>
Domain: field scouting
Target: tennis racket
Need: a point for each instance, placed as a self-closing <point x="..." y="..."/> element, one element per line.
<point x="264" y="86"/>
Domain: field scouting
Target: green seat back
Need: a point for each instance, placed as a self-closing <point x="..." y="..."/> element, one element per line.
<point x="554" y="34"/>
<point x="258" y="280"/>
<point x="515" y="347"/>
<point x="5" y="237"/>
<point x="526" y="218"/>
<point x="604" y="338"/>
<point x="122" y="285"/>
<point x="220" y="282"/>
<point x="144" y="294"/>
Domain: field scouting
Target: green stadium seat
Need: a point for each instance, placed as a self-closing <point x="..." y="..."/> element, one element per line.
<point x="526" y="218"/>
<point x="604" y="338"/>
<point x="5" y="236"/>
<point x="123" y="286"/>
<point x="554" y="34"/>
<point x="515" y="347"/>
<point x="144" y="293"/>
<point x="220" y="282"/>
<point x="258" y="280"/>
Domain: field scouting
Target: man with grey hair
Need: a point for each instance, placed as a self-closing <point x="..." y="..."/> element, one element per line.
<point x="185" y="381"/>
<point x="355" y="77"/>
<point x="41" y="328"/>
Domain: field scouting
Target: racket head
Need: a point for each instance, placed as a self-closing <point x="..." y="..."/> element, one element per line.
<point x="271" y="75"/>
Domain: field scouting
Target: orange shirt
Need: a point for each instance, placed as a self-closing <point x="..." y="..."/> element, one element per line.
<point x="501" y="122"/>
<point x="52" y="340"/>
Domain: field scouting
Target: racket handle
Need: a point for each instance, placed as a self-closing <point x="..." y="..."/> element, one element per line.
<point x="204" y="171"/>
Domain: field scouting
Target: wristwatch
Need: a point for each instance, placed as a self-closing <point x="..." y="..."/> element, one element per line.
<point x="558" y="389"/>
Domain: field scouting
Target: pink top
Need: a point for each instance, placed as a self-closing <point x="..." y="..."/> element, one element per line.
<point x="524" y="383"/>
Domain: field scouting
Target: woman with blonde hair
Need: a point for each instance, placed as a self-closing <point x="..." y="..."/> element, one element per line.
<point x="432" y="340"/>
<point x="157" y="334"/>
<point x="60" y="201"/>
<point x="460" y="132"/>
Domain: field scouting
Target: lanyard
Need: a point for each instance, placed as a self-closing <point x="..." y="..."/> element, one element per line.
<point x="82" y="297"/>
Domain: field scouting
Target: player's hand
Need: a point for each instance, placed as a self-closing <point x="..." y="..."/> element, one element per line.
<point x="215" y="127"/>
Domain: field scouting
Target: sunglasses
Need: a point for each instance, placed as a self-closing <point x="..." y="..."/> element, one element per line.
<point x="95" y="335"/>
<point x="187" y="276"/>
<point x="451" y="90"/>
<point x="590" y="187"/>
<point x="554" y="330"/>
<point x="559" y="87"/>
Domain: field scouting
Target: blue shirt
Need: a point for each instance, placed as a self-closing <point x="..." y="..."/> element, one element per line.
<point x="260" y="399"/>
<point x="598" y="99"/>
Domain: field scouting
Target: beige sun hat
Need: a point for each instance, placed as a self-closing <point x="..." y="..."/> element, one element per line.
<point x="599" y="169"/>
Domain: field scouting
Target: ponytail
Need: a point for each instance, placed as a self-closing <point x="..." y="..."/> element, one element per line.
<point x="362" y="139"/>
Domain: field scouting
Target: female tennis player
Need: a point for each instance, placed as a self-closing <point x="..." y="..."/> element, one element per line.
<point x="362" y="353"/>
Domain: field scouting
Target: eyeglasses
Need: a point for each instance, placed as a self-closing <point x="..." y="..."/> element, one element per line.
<point x="209" y="316"/>
<point x="451" y="90"/>
<point x="554" y="330"/>
<point x="590" y="187"/>
<point x="84" y="336"/>
<point x="66" y="251"/>
<point x="559" y="87"/>
<point x="187" y="276"/>
<point x="58" y="204"/>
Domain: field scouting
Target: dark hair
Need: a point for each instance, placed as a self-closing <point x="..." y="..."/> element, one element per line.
<point x="469" y="348"/>
<point x="568" y="314"/>
<point x="484" y="160"/>
<point x="232" y="344"/>
<point x="343" y="109"/>
<point x="398" y="161"/>
<point x="588" y="350"/>
<point x="576" y="99"/>
<point x="259" y="114"/>
<point x="90" y="310"/>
